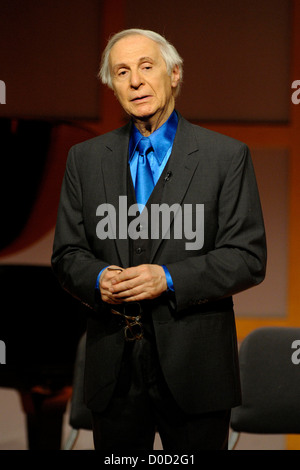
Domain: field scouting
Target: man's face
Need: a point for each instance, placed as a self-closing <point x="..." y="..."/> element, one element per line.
<point x="140" y="79"/>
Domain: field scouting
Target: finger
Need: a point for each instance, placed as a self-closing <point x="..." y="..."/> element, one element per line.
<point x="108" y="298"/>
<point x="123" y="287"/>
<point x="128" y="293"/>
<point x="114" y="269"/>
<point x="136" y="298"/>
<point x="127" y="274"/>
<point x="108" y="274"/>
<point x="141" y="296"/>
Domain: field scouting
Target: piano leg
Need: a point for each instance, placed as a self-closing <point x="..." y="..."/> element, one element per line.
<point x="44" y="411"/>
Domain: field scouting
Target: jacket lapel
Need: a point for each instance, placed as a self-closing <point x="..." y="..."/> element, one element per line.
<point x="182" y="165"/>
<point x="114" y="168"/>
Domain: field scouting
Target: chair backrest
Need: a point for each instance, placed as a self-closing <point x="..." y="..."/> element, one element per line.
<point x="270" y="380"/>
<point x="80" y="415"/>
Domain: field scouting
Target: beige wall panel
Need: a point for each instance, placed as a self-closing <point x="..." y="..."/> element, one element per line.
<point x="270" y="297"/>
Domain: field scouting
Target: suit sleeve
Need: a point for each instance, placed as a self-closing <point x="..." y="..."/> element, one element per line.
<point x="72" y="260"/>
<point x="238" y="258"/>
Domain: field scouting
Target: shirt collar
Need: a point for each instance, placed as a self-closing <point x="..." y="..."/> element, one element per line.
<point x="161" y="139"/>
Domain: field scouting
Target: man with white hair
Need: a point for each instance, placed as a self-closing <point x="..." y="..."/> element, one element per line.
<point x="161" y="351"/>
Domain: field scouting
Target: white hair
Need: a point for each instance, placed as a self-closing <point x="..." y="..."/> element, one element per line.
<point x="168" y="52"/>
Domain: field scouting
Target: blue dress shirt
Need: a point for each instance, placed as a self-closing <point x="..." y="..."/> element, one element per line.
<point x="162" y="142"/>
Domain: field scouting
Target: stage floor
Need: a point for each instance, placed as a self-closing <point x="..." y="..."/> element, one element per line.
<point x="13" y="430"/>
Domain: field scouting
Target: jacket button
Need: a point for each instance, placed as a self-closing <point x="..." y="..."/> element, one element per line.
<point x="138" y="250"/>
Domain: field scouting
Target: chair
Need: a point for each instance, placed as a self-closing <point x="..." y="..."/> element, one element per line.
<point x="270" y="381"/>
<point x="80" y="415"/>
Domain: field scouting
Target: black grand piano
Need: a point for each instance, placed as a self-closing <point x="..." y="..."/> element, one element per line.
<point x="41" y="325"/>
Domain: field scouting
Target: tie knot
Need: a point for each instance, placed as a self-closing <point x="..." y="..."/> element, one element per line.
<point x="144" y="145"/>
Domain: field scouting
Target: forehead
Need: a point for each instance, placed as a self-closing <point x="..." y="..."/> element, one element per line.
<point x="133" y="48"/>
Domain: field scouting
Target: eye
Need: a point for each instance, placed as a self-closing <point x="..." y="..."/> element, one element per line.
<point x="122" y="73"/>
<point x="147" y="66"/>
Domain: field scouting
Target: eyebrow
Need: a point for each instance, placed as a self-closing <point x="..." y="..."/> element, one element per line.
<point x="140" y="61"/>
<point x="146" y="59"/>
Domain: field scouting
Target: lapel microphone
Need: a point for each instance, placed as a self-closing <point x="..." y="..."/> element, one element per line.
<point x="168" y="177"/>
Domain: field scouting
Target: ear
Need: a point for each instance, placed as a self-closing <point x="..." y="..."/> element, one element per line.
<point x="175" y="81"/>
<point x="175" y="76"/>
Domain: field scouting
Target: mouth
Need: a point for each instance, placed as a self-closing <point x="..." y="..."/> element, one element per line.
<point x="139" y="99"/>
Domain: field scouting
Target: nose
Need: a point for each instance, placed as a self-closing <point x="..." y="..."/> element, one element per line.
<point x="135" y="79"/>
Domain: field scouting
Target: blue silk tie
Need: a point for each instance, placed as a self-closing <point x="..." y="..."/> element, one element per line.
<point x="144" y="180"/>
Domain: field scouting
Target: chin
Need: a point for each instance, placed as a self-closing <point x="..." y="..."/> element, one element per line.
<point x="144" y="115"/>
<point x="143" y="111"/>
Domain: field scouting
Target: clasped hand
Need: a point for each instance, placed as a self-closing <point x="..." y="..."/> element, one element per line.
<point x="118" y="285"/>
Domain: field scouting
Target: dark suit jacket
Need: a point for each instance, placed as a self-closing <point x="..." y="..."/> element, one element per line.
<point x="195" y="329"/>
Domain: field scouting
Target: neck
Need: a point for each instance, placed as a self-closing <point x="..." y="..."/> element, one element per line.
<point x="150" y="124"/>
